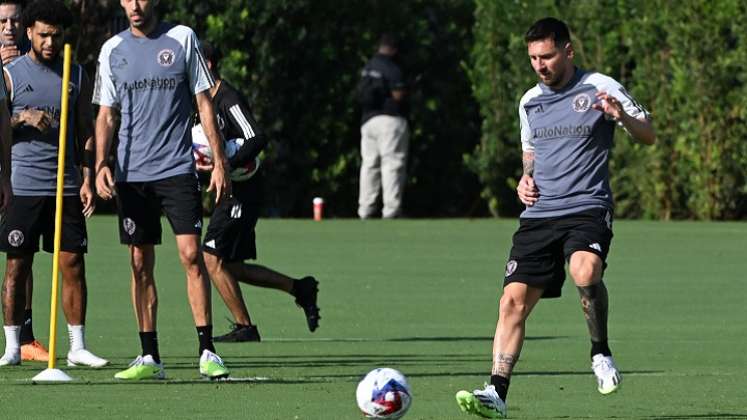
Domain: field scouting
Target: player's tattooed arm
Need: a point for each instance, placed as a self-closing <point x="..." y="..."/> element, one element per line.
<point x="527" y="159"/>
<point x="595" y="304"/>
<point x="503" y="364"/>
<point x="527" y="190"/>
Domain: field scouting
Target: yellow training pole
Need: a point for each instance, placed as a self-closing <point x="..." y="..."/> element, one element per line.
<point x="57" y="375"/>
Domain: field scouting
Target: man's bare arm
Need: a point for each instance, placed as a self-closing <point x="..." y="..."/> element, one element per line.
<point x="218" y="177"/>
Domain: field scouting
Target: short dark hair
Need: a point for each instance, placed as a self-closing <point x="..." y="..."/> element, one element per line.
<point x="212" y="53"/>
<point x="51" y="12"/>
<point x="389" y="40"/>
<point x="19" y="3"/>
<point x="549" y="28"/>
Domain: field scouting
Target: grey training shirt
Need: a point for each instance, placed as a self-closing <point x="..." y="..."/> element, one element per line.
<point x="151" y="81"/>
<point x="34" y="154"/>
<point x="571" y="143"/>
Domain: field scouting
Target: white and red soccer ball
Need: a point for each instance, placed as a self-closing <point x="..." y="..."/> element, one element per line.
<point x="203" y="154"/>
<point x="384" y="394"/>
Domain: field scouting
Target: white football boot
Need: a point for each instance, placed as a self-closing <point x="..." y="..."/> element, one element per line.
<point x="608" y="377"/>
<point x="83" y="357"/>
<point x="482" y="402"/>
<point x="11" y="358"/>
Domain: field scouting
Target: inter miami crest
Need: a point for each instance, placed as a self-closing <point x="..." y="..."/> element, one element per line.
<point x="582" y="102"/>
<point x="166" y="58"/>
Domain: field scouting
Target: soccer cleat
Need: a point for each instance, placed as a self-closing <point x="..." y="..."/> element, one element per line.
<point x="305" y="290"/>
<point x="211" y="366"/>
<point x="482" y="402"/>
<point x="83" y="357"/>
<point x="608" y="377"/>
<point x="143" y="367"/>
<point x="34" y="352"/>
<point x="240" y="334"/>
<point x="11" y="359"/>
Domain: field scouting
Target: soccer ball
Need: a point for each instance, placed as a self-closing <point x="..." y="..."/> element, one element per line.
<point x="200" y="146"/>
<point x="204" y="155"/>
<point x="384" y="394"/>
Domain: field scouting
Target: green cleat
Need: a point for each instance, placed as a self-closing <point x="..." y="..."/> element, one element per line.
<point x="143" y="367"/>
<point x="211" y="366"/>
<point x="484" y="403"/>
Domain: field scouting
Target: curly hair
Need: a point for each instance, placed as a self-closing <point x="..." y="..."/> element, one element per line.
<point x="51" y="12"/>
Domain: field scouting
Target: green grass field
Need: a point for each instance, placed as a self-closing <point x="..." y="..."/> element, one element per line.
<point x="421" y="297"/>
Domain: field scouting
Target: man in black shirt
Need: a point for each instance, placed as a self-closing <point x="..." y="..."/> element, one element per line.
<point x="384" y="132"/>
<point x="230" y="237"/>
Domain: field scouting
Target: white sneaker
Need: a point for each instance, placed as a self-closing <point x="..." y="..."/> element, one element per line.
<point x="482" y="402"/>
<point x="83" y="357"/>
<point x="608" y="377"/>
<point x="11" y="359"/>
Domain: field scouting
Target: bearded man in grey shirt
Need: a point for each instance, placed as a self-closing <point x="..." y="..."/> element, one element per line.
<point x="567" y="124"/>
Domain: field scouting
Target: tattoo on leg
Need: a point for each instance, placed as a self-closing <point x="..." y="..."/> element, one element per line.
<point x="504" y="363"/>
<point x="594" y="302"/>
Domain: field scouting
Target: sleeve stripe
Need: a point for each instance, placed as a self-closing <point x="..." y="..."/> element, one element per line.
<point x="204" y="66"/>
<point x="243" y="122"/>
<point x="9" y="90"/>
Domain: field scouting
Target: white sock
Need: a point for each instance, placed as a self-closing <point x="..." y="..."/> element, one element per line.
<point x="12" y="338"/>
<point x="77" y="337"/>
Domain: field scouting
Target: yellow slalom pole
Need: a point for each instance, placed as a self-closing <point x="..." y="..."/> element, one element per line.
<point x="58" y="208"/>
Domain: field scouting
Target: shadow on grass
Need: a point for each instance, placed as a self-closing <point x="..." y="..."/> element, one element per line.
<point x="697" y="416"/>
<point x="167" y="381"/>
<point x="397" y="339"/>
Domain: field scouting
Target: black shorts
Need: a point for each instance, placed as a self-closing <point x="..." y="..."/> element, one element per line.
<point x="230" y="234"/>
<point x="542" y="246"/>
<point x="29" y="217"/>
<point x="139" y="205"/>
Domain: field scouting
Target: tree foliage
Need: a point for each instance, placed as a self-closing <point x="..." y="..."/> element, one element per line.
<point x="685" y="63"/>
<point x="298" y="62"/>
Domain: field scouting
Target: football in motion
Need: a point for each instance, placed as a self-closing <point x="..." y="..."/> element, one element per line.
<point x="384" y="394"/>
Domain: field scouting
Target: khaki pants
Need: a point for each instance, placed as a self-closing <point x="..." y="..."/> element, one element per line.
<point x="384" y="144"/>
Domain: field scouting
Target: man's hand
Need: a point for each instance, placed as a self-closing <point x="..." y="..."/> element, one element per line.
<point x="86" y="197"/>
<point x="105" y="183"/>
<point x="37" y="119"/>
<point x="219" y="182"/>
<point x="6" y="193"/>
<point x="609" y="105"/>
<point x="8" y="53"/>
<point x="527" y="190"/>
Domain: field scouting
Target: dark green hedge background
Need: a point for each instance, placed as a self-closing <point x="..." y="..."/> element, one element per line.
<point x="298" y="61"/>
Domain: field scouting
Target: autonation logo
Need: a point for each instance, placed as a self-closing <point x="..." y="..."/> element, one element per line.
<point x="152" y="84"/>
<point x="562" y="131"/>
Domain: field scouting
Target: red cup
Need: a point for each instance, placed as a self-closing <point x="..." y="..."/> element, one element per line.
<point x="318" y="208"/>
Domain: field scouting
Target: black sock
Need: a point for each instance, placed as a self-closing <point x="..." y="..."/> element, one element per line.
<point x="27" y="328"/>
<point x="149" y="343"/>
<point x="501" y="385"/>
<point x="205" y="336"/>
<point x="600" y="347"/>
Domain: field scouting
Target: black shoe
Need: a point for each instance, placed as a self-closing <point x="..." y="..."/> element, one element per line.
<point x="305" y="290"/>
<point x="240" y="334"/>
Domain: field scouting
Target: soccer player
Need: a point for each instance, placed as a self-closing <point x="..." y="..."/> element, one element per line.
<point x="567" y="124"/>
<point x="149" y="75"/>
<point x="34" y="82"/>
<point x="230" y="237"/>
<point x="13" y="44"/>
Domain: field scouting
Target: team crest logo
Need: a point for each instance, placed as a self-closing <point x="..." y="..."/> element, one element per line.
<point x="166" y="58"/>
<point x="15" y="238"/>
<point x="129" y="225"/>
<point x="511" y="267"/>
<point x="581" y="103"/>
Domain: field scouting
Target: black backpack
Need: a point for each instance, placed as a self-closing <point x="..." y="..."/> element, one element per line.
<point x="371" y="90"/>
